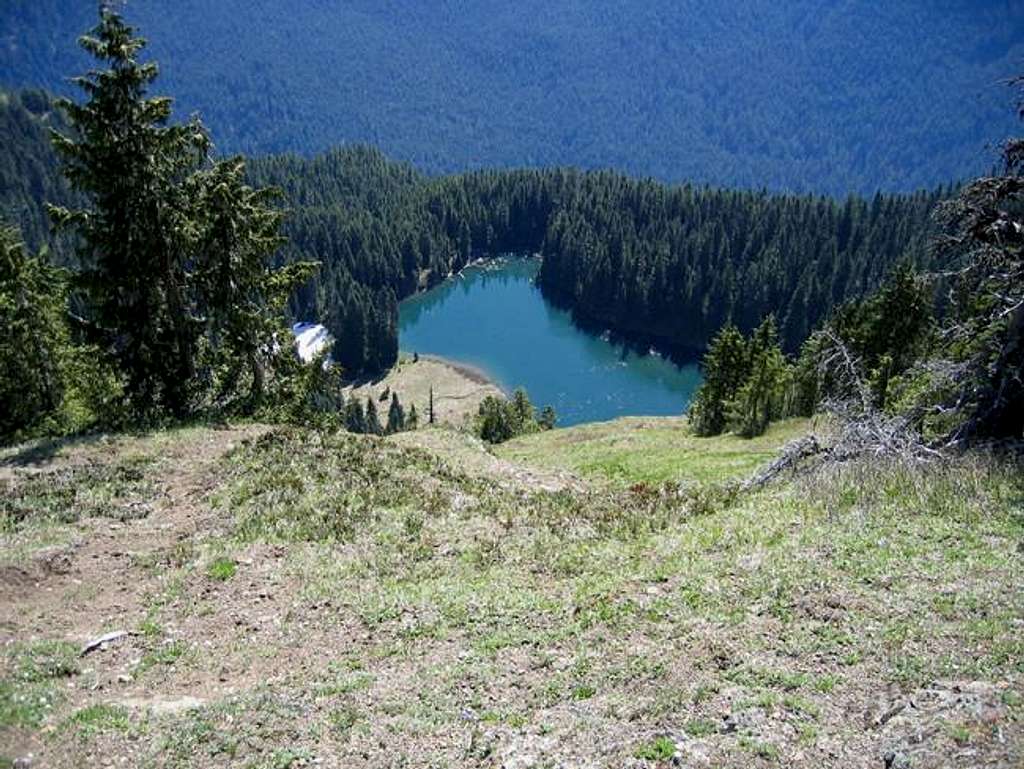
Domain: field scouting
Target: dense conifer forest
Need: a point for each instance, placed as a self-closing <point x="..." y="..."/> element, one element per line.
<point x="661" y="264"/>
<point x="792" y="96"/>
<point x="665" y="265"/>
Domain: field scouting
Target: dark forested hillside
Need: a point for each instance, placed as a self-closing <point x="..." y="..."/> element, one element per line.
<point x="853" y="95"/>
<point x="665" y="264"/>
<point x="28" y="164"/>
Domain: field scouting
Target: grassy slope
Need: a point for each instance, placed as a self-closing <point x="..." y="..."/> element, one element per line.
<point x="415" y="602"/>
<point x="651" y="450"/>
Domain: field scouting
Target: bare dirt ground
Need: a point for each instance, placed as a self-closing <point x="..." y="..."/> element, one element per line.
<point x="94" y="578"/>
<point x="294" y="599"/>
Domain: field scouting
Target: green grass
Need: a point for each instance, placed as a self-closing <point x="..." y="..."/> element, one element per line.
<point x="43" y="660"/>
<point x="164" y="655"/>
<point x="435" y="609"/>
<point x="29" y="688"/>
<point x="649" y="450"/>
<point x="660" y="749"/>
<point x="118" y="490"/>
<point x="700" y="727"/>
<point x="222" y="569"/>
<point x="97" y="719"/>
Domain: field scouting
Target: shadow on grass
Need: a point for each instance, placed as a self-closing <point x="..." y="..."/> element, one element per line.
<point x="43" y="450"/>
<point x="40" y="451"/>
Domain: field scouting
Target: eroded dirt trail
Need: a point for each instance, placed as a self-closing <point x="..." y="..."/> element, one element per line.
<point x="92" y="584"/>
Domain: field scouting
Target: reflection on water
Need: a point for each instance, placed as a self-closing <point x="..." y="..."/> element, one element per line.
<point x="495" y="318"/>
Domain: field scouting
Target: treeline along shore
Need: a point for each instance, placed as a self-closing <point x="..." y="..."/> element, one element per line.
<point x="666" y="264"/>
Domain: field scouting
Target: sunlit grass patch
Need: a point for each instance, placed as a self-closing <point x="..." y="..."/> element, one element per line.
<point x="96" y="719"/>
<point x="659" y="749"/>
<point x="650" y="450"/>
<point x="221" y="569"/>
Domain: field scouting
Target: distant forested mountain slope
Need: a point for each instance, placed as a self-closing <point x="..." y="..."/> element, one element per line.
<point x="805" y="95"/>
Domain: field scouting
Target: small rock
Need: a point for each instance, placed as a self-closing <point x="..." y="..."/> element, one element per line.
<point x="24" y="762"/>
<point x="124" y="678"/>
<point x="165" y="706"/>
<point x="103" y="641"/>
<point x="896" y="760"/>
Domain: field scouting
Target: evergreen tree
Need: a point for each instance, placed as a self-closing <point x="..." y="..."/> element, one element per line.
<point x="547" y="418"/>
<point x="34" y="339"/>
<point x="48" y="384"/>
<point x="175" y="250"/>
<point x="355" y="417"/>
<point x="373" y="426"/>
<point x="747" y="383"/>
<point x="810" y="383"/>
<point x="396" y="416"/>
<point x="725" y="366"/>
<point x="412" y="421"/>
<point x="982" y="394"/>
<point x="889" y="330"/>
<point x="762" y="396"/>
<point x="242" y="297"/>
<point x="496" y="420"/>
<point x="129" y="163"/>
<point x="521" y="414"/>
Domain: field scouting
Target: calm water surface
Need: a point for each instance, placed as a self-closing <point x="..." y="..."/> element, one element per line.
<point x="495" y="318"/>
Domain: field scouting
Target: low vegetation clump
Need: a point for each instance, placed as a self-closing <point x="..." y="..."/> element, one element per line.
<point x="296" y="485"/>
<point x="499" y="420"/>
<point x="29" y="683"/>
<point x="222" y="569"/>
<point x="118" y="490"/>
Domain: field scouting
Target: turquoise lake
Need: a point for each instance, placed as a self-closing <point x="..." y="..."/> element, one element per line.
<point x="494" y="317"/>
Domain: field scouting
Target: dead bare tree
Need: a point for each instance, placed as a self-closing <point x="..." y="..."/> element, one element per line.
<point x="857" y="428"/>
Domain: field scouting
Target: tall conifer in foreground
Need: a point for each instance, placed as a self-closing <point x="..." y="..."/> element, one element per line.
<point x="241" y="297"/>
<point x="174" y="248"/>
<point x="130" y="165"/>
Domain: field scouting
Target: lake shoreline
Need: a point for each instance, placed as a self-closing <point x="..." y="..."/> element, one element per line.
<point x="473" y="373"/>
<point x="457" y="389"/>
<point x="492" y="324"/>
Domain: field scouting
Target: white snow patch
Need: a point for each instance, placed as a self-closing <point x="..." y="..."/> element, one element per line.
<point x="310" y="340"/>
